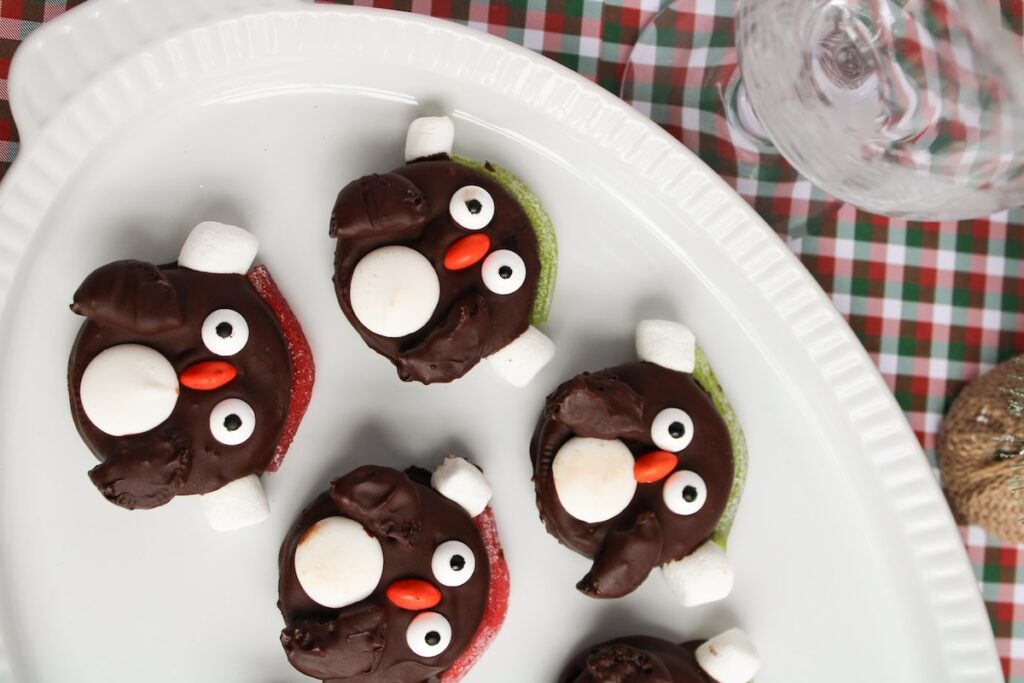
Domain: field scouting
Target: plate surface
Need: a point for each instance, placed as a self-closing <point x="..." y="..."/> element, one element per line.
<point x="849" y="567"/>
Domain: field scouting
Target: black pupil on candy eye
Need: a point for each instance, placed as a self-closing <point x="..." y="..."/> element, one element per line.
<point x="676" y="430"/>
<point x="432" y="638"/>
<point x="458" y="562"/>
<point x="224" y="330"/>
<point x="474" y="206"/>
<point x="689" y="494"/>
<point x="232" y="422"/>
<point x="505" y="272"/>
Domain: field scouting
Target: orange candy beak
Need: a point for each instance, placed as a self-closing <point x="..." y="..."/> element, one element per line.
<point x="654" y="466"/>
<point x="466" y="251"/>
<point x="211" y="374"/>
<point x="413" y="594"/>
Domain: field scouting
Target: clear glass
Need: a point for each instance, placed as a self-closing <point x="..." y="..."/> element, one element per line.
<point x="912" y="109"/>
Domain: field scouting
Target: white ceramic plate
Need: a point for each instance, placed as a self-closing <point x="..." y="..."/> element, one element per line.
<point x="142" y="118"/>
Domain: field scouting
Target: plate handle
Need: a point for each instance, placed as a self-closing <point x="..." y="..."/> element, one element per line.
<point x="64" y="55"/>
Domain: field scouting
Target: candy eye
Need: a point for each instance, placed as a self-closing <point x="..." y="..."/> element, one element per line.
<point x="503" y="271"/>
<point x="225" y="332"/>
<point x="672" y="430"/>
<point x="429" y="634"/>
<point x="232" y="421"/>
<point x="685" y="492"/>
<point x="453" y="563"/>
<point x="472" y="207"/>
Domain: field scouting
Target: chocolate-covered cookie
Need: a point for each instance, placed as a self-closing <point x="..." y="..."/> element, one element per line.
<point x="444" y="262"/>
<point x="640" y="466"/>
<point x="188" y="378"/>
<point x="726" y="658"/>
<point x="393" y="577"/>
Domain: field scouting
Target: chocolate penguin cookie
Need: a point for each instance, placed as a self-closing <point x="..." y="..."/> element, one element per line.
<point x="642" y="465"/>
<point x="444" y="262"/>
<point x="188" y="378"/>
<point x="393" y="577"/>
<point x="727" y="658"/>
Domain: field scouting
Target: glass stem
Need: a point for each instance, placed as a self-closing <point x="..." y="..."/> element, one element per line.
<point x="741" y="116"/>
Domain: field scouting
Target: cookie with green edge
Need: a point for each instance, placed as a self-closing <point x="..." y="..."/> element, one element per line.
<point x="641" y="466"/>
<point x="444" y="262"/>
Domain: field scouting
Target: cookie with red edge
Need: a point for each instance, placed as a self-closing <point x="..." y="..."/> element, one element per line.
<point x="729" y="657"/>
<point x="393" y="577"/>
<point x="189" y="378"/>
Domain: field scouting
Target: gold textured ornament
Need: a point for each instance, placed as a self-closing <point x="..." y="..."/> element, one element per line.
<point x="981" y="451"/>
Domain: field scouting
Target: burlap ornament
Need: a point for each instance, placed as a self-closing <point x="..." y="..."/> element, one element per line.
<point x="981" y="452"/>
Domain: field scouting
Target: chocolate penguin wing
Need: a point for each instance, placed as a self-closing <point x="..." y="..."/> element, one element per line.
<point x="453" y="347"/>
<point x="348" y="645"/>
<point x="387" y="205"/>
<point x="130" y="295"/>
<point x="383" y="500"/>
<point x="625" y="559"/>
<point x="148" y="475"/>
<point x="599" y="406"/>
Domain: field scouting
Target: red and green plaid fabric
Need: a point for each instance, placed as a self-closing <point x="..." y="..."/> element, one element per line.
<point x="935" y="304"/>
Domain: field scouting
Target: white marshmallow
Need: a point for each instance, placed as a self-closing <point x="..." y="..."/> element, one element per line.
<point x="128" y="389"/>
<point x="729" y="657"/>
<point x="594" y="478"/>
<point x="520" y="361"/>
<point x="703" y="576"/>
<point x="459" y="480"/>
<point x="239" y="503"/>
<point x="668" y="344"/>
<point x="338" y="562"/>
<point x="429" y="135"/>
<point x="394" y="291"/>
<point x="219" y="248"/>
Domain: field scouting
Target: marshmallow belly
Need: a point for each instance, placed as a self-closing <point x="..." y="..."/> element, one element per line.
<point x="594" y="478"/>
<point x="394" y="291"/>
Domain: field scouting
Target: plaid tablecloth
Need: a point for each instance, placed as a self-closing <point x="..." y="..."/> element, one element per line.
<point x="935" y="304"/>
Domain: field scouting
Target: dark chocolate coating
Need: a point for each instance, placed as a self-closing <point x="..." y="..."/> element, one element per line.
<point x="409" y="207"/>
<point x="366" y="642"/>
<point x="622" y="402"/>
<point x="635" y="659"/>
<point x="134" y="302"/>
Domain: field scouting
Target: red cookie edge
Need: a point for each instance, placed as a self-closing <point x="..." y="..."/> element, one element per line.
<point x="497" y="600"/>
<point x="299" y="353"/>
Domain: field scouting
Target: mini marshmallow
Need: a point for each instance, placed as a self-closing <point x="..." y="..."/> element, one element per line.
<point x="394" y="291"/>
<point x="594" y="478"/>
<point x="219" y="248"/>
<point x="703" y="576"/>
<point x="668" y="344"/>
<point x="338" y="563"/>
<point x="428" y="136"/>
<point x="459" y="480"/>
<point x="520" y="361"/>
<point x="237" y="504"/>
<point x="128" y="389"/>
<point x="729" y="657"/>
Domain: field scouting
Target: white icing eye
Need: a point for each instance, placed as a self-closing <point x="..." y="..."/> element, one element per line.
<point x="232" y="421"/>
<point x="503" y="271"/>
<point x="225" y="332"/>
<point x="453" y="563"/>
<point x="472" y="207"/>
<point x="672" y="430"/>
<point x="685" y="492"/>
<point x="429" y="634"/>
